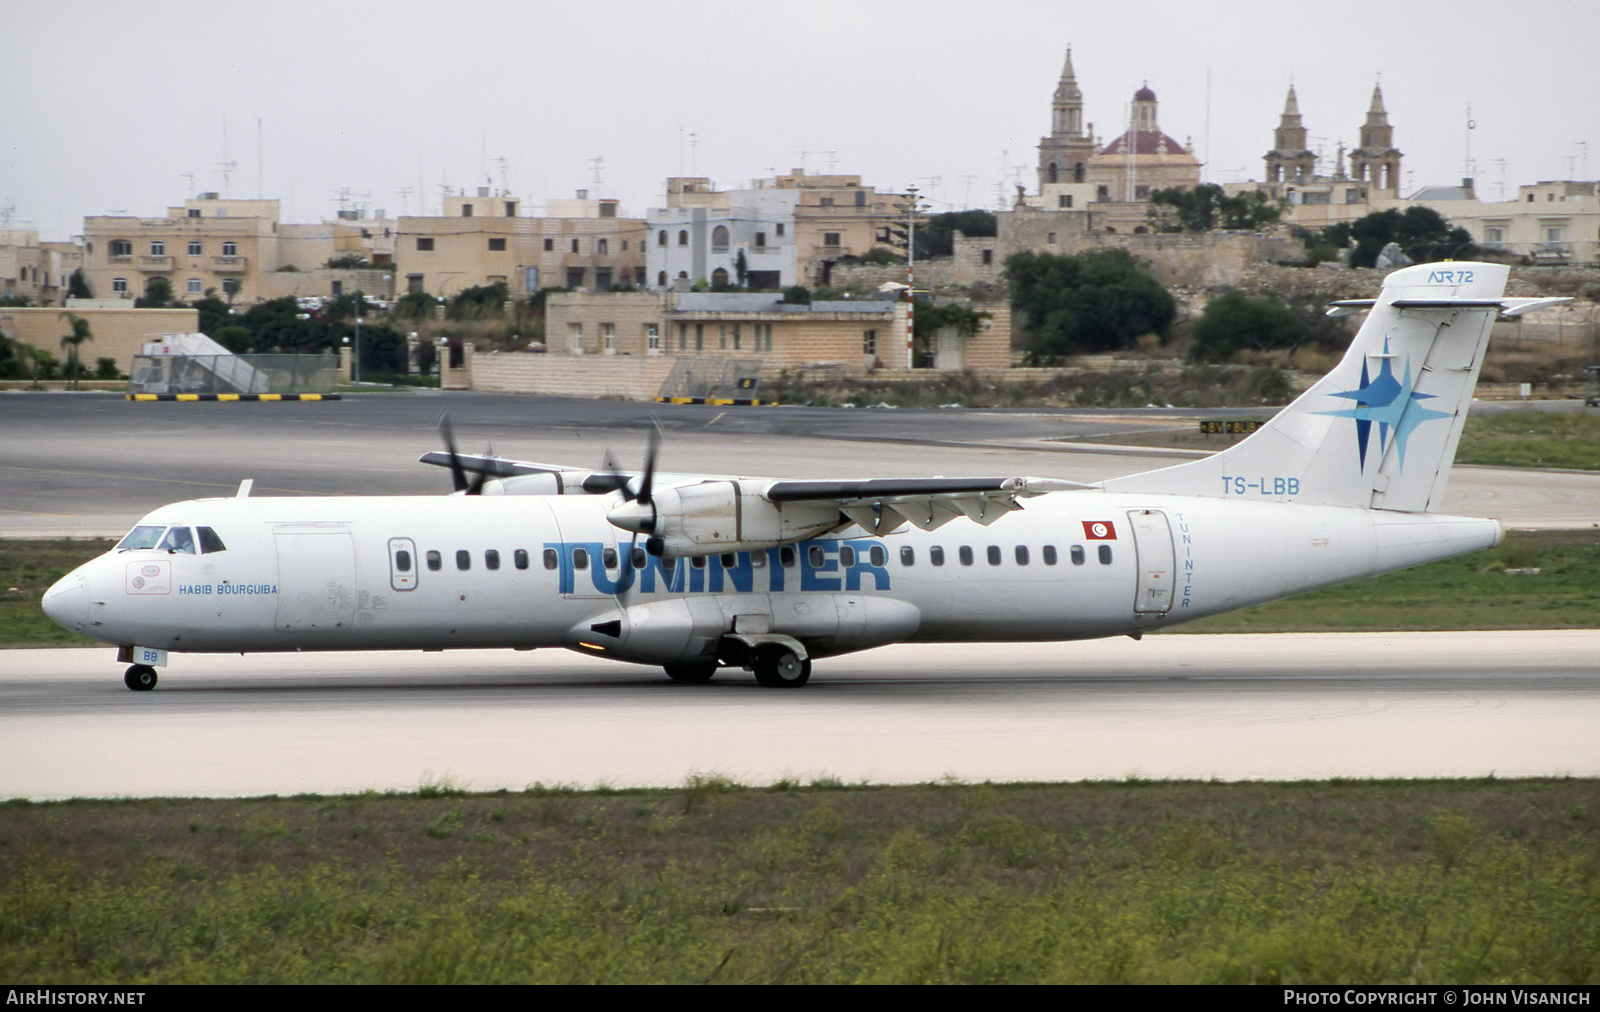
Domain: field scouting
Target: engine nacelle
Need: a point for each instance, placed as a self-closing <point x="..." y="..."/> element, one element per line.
<point x="710" y="517"/>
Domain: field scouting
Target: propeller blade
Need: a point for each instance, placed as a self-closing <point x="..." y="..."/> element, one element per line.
<point x="648" y="481"/>
<point x="458" y="475"/>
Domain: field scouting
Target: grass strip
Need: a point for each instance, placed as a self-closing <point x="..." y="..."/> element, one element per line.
<point x="1350" y="882"/>
<point x="1567" y="439"/>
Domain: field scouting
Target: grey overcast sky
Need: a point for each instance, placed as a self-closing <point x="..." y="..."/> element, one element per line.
<point x="112" y="106"/>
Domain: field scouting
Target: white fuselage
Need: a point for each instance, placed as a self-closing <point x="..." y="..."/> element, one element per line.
<point x="358" y="573"/>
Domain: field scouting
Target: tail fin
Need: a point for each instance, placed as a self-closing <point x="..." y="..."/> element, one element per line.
<point x="1379" y="430"/>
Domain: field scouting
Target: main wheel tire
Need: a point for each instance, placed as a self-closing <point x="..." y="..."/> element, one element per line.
<point x="140" y="678"/>
<point x="691" y="673"/>
<point x="779" y="667"/>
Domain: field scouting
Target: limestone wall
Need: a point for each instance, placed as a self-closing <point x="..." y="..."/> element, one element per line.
<point x="610" y="377"/>
<point x="118" y="333"/>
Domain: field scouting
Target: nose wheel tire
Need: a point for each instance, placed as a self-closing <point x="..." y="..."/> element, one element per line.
<point x="140" y="678"/>
<point x="778" y="667"/>
<point x="691" y="674"/>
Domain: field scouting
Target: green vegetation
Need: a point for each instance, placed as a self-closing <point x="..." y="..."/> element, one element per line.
<point x="1343" y="882"/>
<point x="1532" y="439"/>
<point x="347" y="261"/>
<point x="936" y="237"/>
<point x="1207" y="207"/>
<point x="1535" y="580"/>
<point x="27" y="569"/>
<point x="1097" y="301"/>
<point x="1421" y="233"/>
<point x="1234" y="320"/>
<point x="157" y="294"/>
<point x="72" y="343"/>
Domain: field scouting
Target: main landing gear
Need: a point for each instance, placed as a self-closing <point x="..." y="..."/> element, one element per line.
<point x="140" y="678"/>
<point x="778" y="667"/>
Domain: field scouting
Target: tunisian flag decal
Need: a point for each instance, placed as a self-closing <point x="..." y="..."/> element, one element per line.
<point x="1099" y="530"/>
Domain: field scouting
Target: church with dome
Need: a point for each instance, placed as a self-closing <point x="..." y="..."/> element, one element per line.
<point x="1075" y="168"/>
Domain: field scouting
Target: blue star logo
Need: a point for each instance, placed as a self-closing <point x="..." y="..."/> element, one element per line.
<point x="1393" y="403"/>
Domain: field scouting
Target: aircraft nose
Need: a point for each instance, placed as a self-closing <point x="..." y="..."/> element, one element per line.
<point x="67" y="602"/>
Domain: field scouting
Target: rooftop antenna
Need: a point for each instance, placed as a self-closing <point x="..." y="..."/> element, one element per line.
<point x="1500" y="181"/>
<point x="8" y="213"/>
<point x="966" y="200"/>
<point x="1583" y="159"/>
<point x="833" y="159"/>
<point x="225" y="166"/>
<point x="405" y="199"/>
<point x="803" y="154"/>
<point x="933" y="187"/>
<point x="596" y="163"/>
<point x="502" y="162"/>
<point x="190" y="177"/>
<point x="261" y="189"/>
<point x="694" y="150"/>
<point x="1469" y="168"/>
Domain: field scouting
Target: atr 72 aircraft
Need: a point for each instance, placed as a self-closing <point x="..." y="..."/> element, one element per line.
<point x="695" y="573"/>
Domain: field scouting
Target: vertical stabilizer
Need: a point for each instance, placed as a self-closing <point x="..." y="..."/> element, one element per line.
<point x="1379" y="430"/>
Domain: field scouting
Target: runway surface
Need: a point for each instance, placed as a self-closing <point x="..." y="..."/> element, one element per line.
<point x="1230" y="707"/>
<point x="80" y="465"/>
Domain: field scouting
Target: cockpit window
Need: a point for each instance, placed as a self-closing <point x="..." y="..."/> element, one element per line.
<point x="178" y="539"/>
<point x="140" y="537"/>
<point x="209" y="542"/>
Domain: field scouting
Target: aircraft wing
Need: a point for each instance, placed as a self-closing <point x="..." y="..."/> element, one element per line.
<point x="880" y="505"/>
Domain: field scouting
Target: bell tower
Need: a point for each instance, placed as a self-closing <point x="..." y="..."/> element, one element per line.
<point x="1063" y="154"/>
<point x="1290" y="161"/>
<point x="1376" y="161"/>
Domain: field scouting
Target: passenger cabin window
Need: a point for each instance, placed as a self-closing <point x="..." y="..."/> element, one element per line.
<point x="1105" y="555"/>
<point x="463" y="559"/>
<point x="816" y="555"/>
<point x="1022" y="555"/>
<point x="786" y="555"/>
<point x="879" y="555"/>
<point x="178" y="540"/>
<point x="551" y="559"/>
<point x="847" y="556"/>
<point x="580" y="558"/>
<point x="965" y="554"/>
<point x="520" y="558"/>
<point x="491" y="559"/>
<point x="698" y="562"/>
<point x="608" y="558"/>
<point x="209" y="542"/>
<point x="1077" y="555"/>
<point x="639" y="558"/>
<point x="1049" y="555"/>
<point x="936" y="555"/>
<point x="140" y="537"/>
<point x="994" y="555"/>
<point x="908" y="556"/>
<point x="402" y="561"/>
<point x="435" y="561"/>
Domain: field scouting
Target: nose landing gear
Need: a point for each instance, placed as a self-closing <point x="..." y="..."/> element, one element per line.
<point x="140" y="678"/>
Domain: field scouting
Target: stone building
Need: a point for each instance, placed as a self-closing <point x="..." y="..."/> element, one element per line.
<point x="789" y="229"/>
<point x="34" y="270"/>
<point x="584" y="244"/>
<point x="237" y="247"/>
<point x="1142" y="158"/>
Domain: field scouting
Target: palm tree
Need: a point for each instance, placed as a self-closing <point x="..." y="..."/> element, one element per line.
<point x="80" y="333"/>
